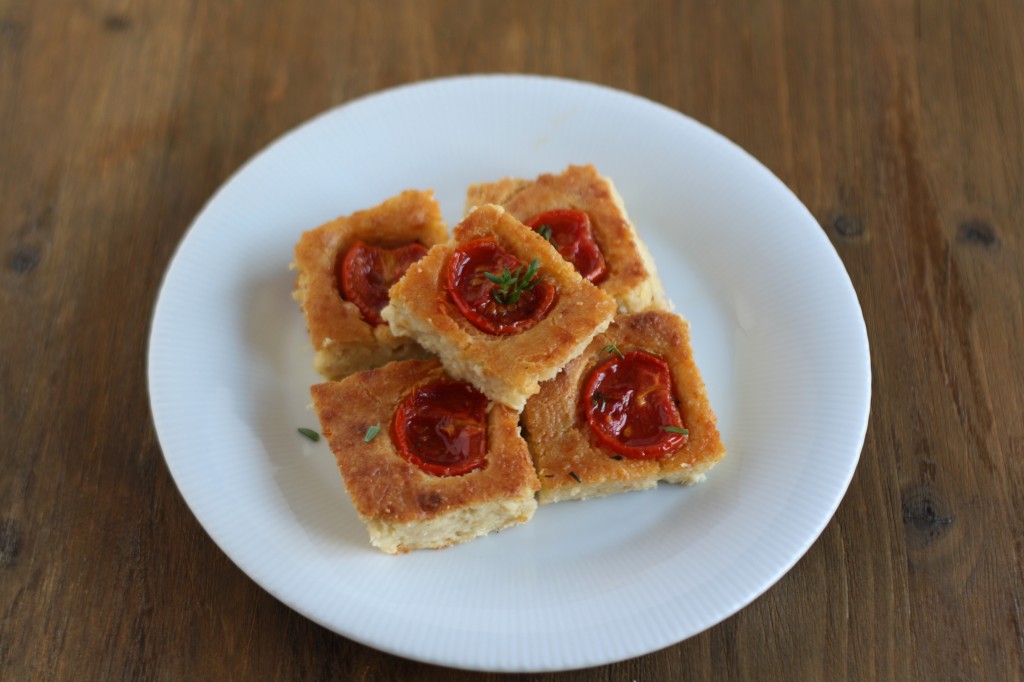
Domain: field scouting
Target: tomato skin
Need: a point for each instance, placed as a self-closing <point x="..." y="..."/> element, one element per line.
<point x="628" y="402"/>
<point x="442" y="428"/>
<point x="366" y="273"/>
<point x="472" y="293"/>
<point x="572" y="237"/>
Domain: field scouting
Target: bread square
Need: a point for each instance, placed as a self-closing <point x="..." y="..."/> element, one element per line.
<point x="571" y="462"/>
<point x="343" y="340"/>
<point x="632" y="279"/>
<point x="404" y="507"/>
<point x="508" y="369"/>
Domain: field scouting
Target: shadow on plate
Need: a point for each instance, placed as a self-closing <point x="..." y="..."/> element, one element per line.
<point x="305" y="472"/>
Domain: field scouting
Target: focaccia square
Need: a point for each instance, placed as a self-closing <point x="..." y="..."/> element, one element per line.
<point x="343" y="340"/>
<point x="632" y="279"/>
<point x="404" y="507"/>
<point x="573" y="464"/>
<point x="507" y="368"/>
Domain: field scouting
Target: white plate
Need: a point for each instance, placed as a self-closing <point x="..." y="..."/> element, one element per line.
<point x="776" y="327"/>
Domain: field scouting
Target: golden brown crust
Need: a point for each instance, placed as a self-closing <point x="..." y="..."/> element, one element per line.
<point x="560" y="439"/>
<point x="632" y="280"/>
<point x="494" y="192"/>
<point x="344" y="342"/>
<point x="388" y="490"/>
<point x="507" y="369"/>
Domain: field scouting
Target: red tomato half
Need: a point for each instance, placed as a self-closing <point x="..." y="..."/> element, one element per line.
<point x="367" y="272"/>
<point x="569" y="232"/>
<point x="442" y="428"/>
<point x="628" y="404"/>
<point x="474" y="294"/>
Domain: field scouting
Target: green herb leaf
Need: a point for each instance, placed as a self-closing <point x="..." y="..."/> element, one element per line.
<point x="612" y="348"/>
<point x="675" y="429"/>
<point x="497" y="279"/>
<point x="509" y="286"/>
<point x="545" y="231"/>
<point x="371" y="433"/>
<point x="310" y="434"/>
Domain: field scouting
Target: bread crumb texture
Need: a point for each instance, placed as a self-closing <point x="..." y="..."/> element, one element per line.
<point x="403" y="507"/>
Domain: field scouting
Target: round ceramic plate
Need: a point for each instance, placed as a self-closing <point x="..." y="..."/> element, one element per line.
<point x="776" y="328"/>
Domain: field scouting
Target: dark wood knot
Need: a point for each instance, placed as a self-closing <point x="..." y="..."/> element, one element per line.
<point x="116" y="23"/>
<point x="923" y="516"/>
<point x="12" y="33"/>
<point x="10" y="543"/>
<point x="978" y="232"/>
<point x="846" y="226"/>
<point x="32" y="237"/>
<point x="24" y="259"/>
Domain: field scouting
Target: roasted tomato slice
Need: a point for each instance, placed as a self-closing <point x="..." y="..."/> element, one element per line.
<point x="569" y="232"/>
<point x="442" y="428"/>
<point x="629" y="405"/>
<point x="487" y="305"/>
<point x="367" y="272"/>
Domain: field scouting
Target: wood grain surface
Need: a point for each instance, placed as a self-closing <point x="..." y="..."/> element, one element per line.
<point x="899" y="124"/>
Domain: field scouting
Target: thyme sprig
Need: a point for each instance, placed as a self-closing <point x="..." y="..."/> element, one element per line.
<point x="675" y="429"/>
<point x="371" y="433"/>
<point x="510" y="285"/>
<point x="545" y="231"/>
<point x="612" y="348"/>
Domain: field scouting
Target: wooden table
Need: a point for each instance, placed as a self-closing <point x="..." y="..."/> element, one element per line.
<point x="899" y="124"/>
